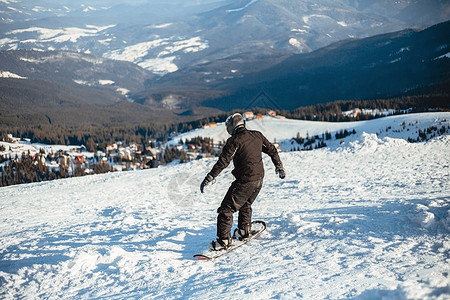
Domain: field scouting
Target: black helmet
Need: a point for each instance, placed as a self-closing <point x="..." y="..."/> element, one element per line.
<point x="234" y="121"/>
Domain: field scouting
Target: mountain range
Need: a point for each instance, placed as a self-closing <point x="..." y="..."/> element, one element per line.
<point x="146" y="61"/>
<point x="383" y="66"/>
<point x="166" y="36"/>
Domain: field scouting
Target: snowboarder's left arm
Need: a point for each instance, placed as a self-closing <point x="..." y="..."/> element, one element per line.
<point x="272" y="151"/>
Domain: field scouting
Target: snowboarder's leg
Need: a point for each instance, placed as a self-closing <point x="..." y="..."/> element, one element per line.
<point x="238" y="195"/>
<point x="225" y="211"/>
<point x="245" y="212"/>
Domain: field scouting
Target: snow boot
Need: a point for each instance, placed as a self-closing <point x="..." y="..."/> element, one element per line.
<point x="220" y="244"/>
<point x="242" y="233"/>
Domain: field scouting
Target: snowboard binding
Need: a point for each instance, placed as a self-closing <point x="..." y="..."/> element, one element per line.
<point x="220" y="244"/>
<point x="242" y="233"/>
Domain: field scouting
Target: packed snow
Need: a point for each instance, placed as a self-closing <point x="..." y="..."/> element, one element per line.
<point x="364" y="219"/>
<point x="298" y="43"/>
<point x="447" y="55"/>
<point x="241" y="8"/>
<point x="106" y="82"/>
<point x="6" y="74"/>
<point x="163" y="63"/>
<point x="69" y="34"/>
<point x="306" y="19"/>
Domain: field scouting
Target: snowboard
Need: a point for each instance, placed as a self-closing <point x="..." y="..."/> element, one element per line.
<point x="258" y="228"/>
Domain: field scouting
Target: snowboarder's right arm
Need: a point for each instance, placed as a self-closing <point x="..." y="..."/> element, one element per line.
<point x="225" y="158"/>
<point x="208" y="179"/>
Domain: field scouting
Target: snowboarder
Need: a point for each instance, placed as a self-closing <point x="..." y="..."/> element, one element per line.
<point x="244" y="147"/>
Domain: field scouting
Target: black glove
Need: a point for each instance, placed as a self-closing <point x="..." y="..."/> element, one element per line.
<point x="280" y="171"/>
<point x="208" y="179"/>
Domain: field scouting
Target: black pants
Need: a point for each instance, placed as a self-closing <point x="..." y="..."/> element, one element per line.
<point x="239" y="197"/>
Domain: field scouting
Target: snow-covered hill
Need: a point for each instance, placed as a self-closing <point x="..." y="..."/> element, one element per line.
<point x="367" y="219"/>
<point x="283" y="131"/>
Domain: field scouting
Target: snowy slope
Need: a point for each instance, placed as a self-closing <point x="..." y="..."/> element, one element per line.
<point x="283" y="130"/>
<point x="367" y="220"/>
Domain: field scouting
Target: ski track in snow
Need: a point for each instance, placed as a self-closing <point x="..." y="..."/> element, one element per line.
<point x="366" y="221"/>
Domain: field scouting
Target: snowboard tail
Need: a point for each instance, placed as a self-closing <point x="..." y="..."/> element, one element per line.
<point x="258" y="228"/>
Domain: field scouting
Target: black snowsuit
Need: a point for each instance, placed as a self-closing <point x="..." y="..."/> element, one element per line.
<point x="245" y="148"/>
